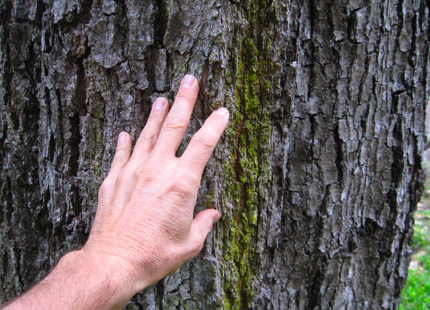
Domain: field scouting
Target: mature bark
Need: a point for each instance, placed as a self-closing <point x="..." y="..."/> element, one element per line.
<point x="317" y="176"/>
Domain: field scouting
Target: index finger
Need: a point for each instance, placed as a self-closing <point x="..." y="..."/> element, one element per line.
<point x="204" y="141"/>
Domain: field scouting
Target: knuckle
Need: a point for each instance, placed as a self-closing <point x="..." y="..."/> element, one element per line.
<point x="122" y="147"/>
<point x="145" y="172"/>
<point x="184" y="94"/>
<point x="126" y="172"/>
<point x="182" y="189"/>
<point x="121" y="157"/>
<point x="175" y="123"/>
<point x="204" y="140"/>
<point x="196" y="247"/>
<point x="190" y="177"/>
<point x="149" y="136"/>
<point x="106" y="187"/>
<point x="123" y="179"/>
<point x="194" y="179"/>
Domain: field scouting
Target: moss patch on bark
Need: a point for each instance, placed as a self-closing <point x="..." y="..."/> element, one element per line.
<point x="249" y="165"/>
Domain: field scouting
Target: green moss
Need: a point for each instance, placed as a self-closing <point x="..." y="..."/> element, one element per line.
<point x="226" y="303"/>
<point x="102" y="86"/>
<point x="172" y="301"/>
<point x="228" y="77"/>
<point x="97" y="110"/>
<point x="249" y="135"/>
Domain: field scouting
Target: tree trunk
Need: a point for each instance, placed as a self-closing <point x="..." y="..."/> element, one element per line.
<point x="317" y="177"/>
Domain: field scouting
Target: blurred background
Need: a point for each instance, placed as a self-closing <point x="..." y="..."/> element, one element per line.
<point x="416" y="294"/>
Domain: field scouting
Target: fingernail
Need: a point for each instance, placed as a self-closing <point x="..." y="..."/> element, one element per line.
<point x="218" y="217"/>
<point x="222" y="111"/>
<point x="188" y="81"/>
<point x="159" y="103"/>
<point x="122" y="137"/>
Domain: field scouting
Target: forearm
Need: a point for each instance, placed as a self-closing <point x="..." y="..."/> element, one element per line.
<point x="75" y="283"/>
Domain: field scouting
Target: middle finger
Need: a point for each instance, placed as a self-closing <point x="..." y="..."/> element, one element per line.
<point x="177" y="120"/>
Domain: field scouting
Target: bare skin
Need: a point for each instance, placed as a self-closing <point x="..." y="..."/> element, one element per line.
<point x="144" y="228"/>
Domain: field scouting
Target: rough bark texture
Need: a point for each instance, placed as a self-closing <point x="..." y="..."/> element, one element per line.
<point x="317" y="176"/>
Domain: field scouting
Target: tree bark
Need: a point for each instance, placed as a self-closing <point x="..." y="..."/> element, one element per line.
<point x="317" y="177"/>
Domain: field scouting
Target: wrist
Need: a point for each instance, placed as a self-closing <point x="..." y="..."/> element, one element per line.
<point x="79" y="281"/>
<point x="119" y="279"/>
<point x="97" y="279"/>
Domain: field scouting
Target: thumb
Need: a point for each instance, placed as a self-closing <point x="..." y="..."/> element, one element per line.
<point x="200" y="228"/>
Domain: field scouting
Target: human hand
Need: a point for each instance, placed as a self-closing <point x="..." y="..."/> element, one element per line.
<point x="144" y="227"/>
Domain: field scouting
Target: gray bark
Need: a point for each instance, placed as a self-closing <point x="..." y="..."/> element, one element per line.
<point x="317" y="177"/>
